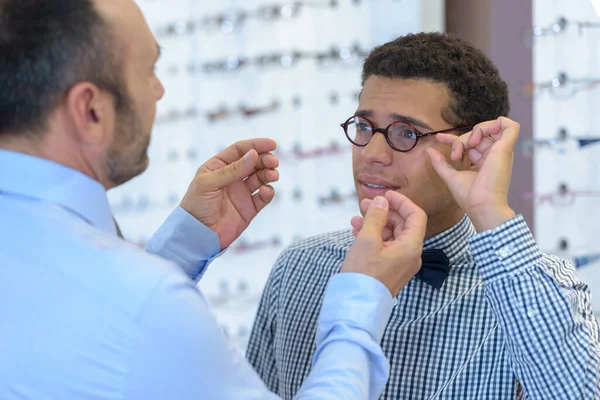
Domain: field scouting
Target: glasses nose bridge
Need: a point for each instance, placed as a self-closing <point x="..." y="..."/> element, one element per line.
<point x="380" y="130"/>
<point x="370" y="144"/>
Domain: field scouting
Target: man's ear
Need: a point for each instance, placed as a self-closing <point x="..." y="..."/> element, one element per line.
<point x="87" y="107"/>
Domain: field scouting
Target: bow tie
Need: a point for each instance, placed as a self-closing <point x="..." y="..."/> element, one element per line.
<point x="435" y="268"/>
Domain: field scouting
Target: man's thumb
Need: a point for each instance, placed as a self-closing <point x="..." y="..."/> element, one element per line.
<point x="375" y="219"/>
<point x="446" y="171"/>
<point x="236" y="171"/>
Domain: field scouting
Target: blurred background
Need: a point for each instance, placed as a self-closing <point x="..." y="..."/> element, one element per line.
<point x="290" y="70"/>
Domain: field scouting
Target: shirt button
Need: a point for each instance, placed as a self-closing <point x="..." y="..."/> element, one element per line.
<point x="506" y="251"/>
<point x="395" y="301"/>
<point x="532" y="313"/>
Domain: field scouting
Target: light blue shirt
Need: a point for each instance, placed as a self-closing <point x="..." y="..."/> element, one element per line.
<point x="85" y="315"/>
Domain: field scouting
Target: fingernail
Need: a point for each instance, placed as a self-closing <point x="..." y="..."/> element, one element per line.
<point x="452" y="155"/>
<point x="248" y="155"/>
<point x="380" y="202"/>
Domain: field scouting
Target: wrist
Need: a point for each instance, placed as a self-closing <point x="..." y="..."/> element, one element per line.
<point x="490" y="216"/>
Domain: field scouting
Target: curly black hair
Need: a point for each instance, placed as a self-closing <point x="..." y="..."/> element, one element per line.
<point x="477" y="93"/>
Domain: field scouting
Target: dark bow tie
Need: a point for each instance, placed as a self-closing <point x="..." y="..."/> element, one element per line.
<point x="435" y="268"/>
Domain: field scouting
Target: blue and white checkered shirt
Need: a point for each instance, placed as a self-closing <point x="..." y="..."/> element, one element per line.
<point x="508" y="322"/>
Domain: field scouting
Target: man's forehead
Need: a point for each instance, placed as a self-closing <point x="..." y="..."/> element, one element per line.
<point x="385" y="85"/>
<point x="417" y="101"/>
<point x="393" y="117"/>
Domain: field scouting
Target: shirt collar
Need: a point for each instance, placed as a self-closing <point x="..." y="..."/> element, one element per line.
<point x="45" y="180"/>
<point x="454" y="241"/>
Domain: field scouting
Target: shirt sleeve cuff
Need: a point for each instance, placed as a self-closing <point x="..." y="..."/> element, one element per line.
<point x="505" y="251"/>
<point x="186" y="241"/>
<point x="358" y="299"/>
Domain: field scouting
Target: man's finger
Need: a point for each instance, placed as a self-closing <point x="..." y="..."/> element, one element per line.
<point x="357" y="223"/>
<point x="264" y="196"/>
<point x="267" y="161"/>
<point x="499" y="136"/>
<point x="234" y="172"/>
<point x="484" y="145"/>
<point x="403" y="208"/>
<point x="239" y="149"/>
<point x="260" y="178"/>
<point x="478" y="154"/>
<point x="415" y="222"/>
<point x="396" y="200"/>
<point x="446" y="171"/>
<point x="387" y="234"/>
<point x="461" y="144"/>
<point x="364" y="205"/>
<point x="510" y="132"/>
<point x="479" y="132"/>
<point x="374" y="221"/>
<point x="446" y="138"/>
<point x="458" y="143"/>
<point x="394" y="220"/>
<point x="476" y="157"/>
<point x="502" y="129"/>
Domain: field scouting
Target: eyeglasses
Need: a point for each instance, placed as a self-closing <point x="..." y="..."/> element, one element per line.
<point x="560" y="27"/>
<point x="563" y="86"/>
<point x="563" y="196"/>
<point x="559" y="143"/>
<point x="400" y="135"/>
<point x="235" y="19"/>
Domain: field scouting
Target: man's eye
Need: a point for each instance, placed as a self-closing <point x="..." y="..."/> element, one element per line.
<point x="409" y="134"/>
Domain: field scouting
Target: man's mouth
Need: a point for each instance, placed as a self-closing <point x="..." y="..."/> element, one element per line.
<point x="374" y="186"/>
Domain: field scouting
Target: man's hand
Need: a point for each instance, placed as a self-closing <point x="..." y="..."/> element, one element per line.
<point x="230" y="189"/>
<point x="482" y="191"/>
<point x="395" y="261"/>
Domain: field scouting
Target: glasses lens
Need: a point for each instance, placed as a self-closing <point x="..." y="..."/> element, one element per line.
<point x="359" y="131"/>
<point x="402" y="136"/>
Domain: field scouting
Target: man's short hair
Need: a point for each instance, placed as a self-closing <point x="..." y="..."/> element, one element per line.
<point x="46" y="47"/>
<point x="477" y="93"/>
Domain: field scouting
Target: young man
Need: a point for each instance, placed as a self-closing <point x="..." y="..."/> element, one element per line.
<point x="488" y="316"/>
<point x="86" y="315"/>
